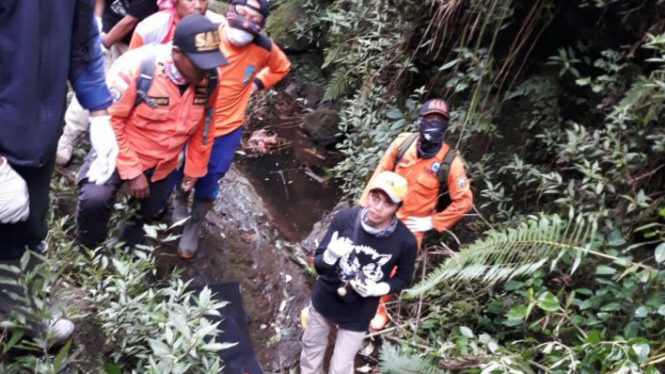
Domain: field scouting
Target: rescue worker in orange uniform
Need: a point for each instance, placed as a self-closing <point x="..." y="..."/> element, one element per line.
<point x="163" y="97"/>
<point x="255" y="63"/>
<point x="420" y="164"/>
<point x="159" y="27"/>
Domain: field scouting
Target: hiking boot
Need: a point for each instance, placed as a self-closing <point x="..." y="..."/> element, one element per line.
<point x="189" y="242"/>
<point x="180" y="205"/>
<point x="380" y="320"/>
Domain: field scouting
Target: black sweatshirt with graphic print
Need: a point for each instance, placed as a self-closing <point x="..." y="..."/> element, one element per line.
<point x="372" y="258"/>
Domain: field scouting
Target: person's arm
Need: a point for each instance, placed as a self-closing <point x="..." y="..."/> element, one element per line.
<point x="99" y="7"/>
<point x="122" y="80"/>
<point x="461" y="198"/>
<point x="138" y="10"/>
<point x="405" y="267"/>
<point x="119" y="31"/>
<point x="278" y="67"/>
<point x="86" y="68"/>
<point x="387" y="163"/>
<point x="319" y="264"/>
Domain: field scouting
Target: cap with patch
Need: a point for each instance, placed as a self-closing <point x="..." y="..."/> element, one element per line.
<point x="439" y="106"/>
<point x="394" y="185"/>
<point x="196" y="36"/>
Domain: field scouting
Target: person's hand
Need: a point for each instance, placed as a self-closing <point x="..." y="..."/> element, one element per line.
<point x="369" y="288"/>
<point x="337" y="248"/>
<point x="104" y="143"/>
<point x="14" y="197"/>
<point x="188" y="183"/>
<point x="139" y="187"/>
<point x="419" y="224"/>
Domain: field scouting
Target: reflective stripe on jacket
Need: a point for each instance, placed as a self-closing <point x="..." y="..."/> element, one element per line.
<point x="423" y="185"/>
<point x="153" y="137"/>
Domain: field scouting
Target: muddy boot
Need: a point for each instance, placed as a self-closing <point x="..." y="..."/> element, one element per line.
<point x="180" y="202"/>
<point x="189" y="242"/>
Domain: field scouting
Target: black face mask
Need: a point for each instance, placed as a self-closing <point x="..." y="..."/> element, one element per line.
<point x="431" y="137"/>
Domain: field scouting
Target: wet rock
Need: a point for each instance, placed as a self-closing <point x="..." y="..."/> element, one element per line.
<point x="241" y="244"/>
<point x="319" y="231"/>
<point x="281" y="22"/>
<point x="313" y="94"/>
<point x="322" y="126"/>
<point x="291" y="90"/>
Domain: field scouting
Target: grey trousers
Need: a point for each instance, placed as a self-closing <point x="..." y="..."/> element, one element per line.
<point x="315" y="341"/>
<point x="95" y="205"/>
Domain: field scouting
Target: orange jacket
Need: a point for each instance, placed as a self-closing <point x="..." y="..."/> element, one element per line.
<point x="261" y="62"/>
<point x="423" y="185"/>
<point x="150" y="137"/>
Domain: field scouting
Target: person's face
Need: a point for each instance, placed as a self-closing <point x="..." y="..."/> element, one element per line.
<point x="249" y="13"/>
<point x="380" y="209"/>
<point x="185" y="7"/>
<point x="434" y="117"/>
<point x="187" y="68"/>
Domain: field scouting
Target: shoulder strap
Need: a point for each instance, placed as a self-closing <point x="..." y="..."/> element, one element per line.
<point x="213" y="77"/>
<point x="442" y="176"/>
<point x="145" y="80"/>
<point x="405" y="147"/>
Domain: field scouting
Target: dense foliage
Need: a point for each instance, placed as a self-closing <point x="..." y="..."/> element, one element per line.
<point x="562" y="269"/>
<point x="130" y="318"/>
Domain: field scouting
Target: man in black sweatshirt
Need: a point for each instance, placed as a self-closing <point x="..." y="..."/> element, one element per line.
<point x="354" y="262"/>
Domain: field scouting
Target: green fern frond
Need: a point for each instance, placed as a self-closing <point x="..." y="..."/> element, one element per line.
<point x="512" y="253"/>
<point x="337" y="86"/>
<point x="394" y="362"/>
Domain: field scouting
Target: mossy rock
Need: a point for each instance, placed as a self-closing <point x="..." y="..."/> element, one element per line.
<point x="306" y="67"/>
<point x="281" y="23"/>
<point x="322" y="126"/>
<point x="218" y="6"/>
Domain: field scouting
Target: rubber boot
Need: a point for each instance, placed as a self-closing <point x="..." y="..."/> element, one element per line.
<point x="189" y="242"/>
<point x="381" y="318"/>
<point x="180" y="205"/>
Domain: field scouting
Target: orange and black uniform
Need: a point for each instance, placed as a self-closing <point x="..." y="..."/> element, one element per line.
<point x="262" y="63"/>
<point x="150" y="137"/>
<point x="421" y="175"/>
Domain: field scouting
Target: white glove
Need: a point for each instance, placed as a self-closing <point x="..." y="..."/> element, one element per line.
<point x="369" y="288"/>
<point x="337" y="248"/>
<point x="419" y="224"/>
<point x="14" y="197"/>
<point x="106" y="148"/>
